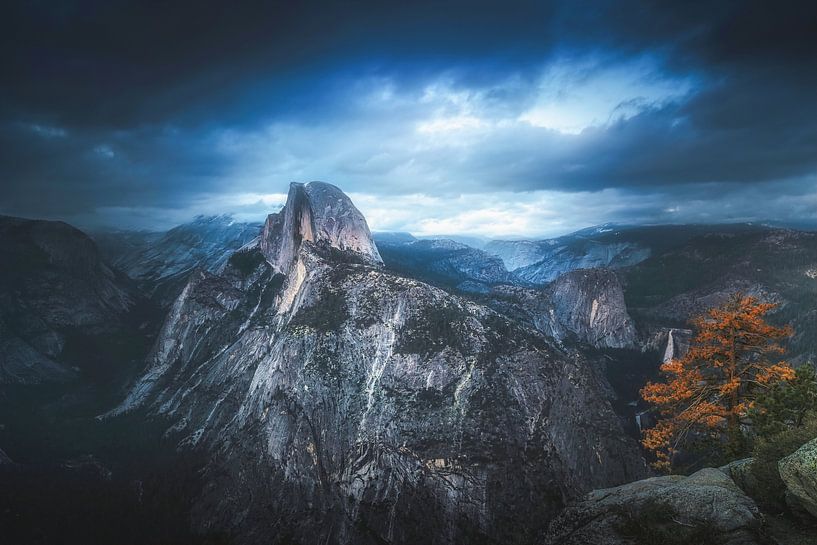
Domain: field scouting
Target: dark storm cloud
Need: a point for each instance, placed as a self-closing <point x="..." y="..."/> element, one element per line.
<point x="53" y="171"/>
<point x="119" y="63"/>
<point x="126" y="105"/>
<point x="739" y="130"/>
<point x="124" y="62"/>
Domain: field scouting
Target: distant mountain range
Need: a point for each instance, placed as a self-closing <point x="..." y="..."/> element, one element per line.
<point x="161" y="262"/>
<point x="338" y="386"/>
<point x="668" y="273"/>
<point x="443" y="261"/>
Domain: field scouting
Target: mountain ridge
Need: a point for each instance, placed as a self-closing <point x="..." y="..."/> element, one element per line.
<point x="54" y="291"/>
<point x="351" y="390"/>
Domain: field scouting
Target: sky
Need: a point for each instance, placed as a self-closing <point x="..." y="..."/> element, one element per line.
<point x="497" y="119"/>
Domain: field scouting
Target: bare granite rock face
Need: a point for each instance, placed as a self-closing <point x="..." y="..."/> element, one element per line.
<point x="706" y="507"/>
<point x="590" y="303"/>
<point x="583" y="305"/>
<point x="338" y="403"/>
<point x="320" y="213"/>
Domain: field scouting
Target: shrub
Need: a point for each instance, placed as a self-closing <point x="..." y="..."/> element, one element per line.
<point x="246" y="262"/>
<point x="328" y="313"/>
<point x="786" y="404"/>
<point x="768" y="451"/>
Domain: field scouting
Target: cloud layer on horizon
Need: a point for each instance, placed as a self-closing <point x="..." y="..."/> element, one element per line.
<point x="532" y="120"/>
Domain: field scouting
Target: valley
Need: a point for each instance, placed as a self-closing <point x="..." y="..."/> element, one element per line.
<point x="306" y="380"/>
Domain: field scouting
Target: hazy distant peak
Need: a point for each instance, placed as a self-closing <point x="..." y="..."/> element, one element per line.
<point x="213" y="219"/>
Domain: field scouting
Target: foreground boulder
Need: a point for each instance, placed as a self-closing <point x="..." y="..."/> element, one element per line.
<point x="741" y="473"/>
<point x="706" y="507"/>
<point x="799" y="472"/>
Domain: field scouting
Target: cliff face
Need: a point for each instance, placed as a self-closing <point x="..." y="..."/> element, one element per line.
<point x="586" y="306"/>
<point x="339" y="403"/>
<point x="319" y="213"/>
<point x="590" y="304"/>
<point x="53" y="287"/>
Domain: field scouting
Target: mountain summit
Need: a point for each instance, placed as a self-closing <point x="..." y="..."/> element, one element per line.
<point x="320" y="213"/>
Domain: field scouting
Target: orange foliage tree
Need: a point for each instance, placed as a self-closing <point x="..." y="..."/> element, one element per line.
<point x="711" y="388"/>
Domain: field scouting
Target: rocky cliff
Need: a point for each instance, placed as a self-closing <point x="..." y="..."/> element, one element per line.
<point x="54" y="290"/>
<point x="321" y="214"/>
<point x="339" y="403"/>
<point x="585" y="306"/>
<point x="590" y="304"/>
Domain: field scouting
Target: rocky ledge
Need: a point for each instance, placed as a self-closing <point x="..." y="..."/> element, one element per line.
<point x="706" y="507"/>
